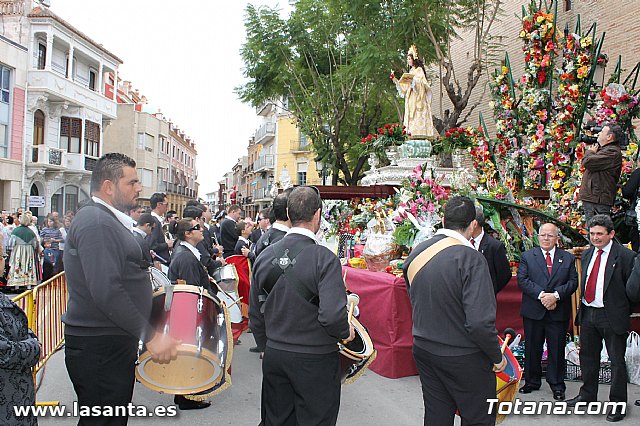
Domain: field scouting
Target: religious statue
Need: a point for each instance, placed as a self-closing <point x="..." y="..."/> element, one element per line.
<point x="414" y="88"/>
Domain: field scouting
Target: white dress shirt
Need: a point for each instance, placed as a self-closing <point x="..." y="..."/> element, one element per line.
<point x="126" y="220"/>
<point x="477" y="240"/>
<point x="598" y="301"/>
<point x="303" y="231"/>
<point x="454" y="234"/>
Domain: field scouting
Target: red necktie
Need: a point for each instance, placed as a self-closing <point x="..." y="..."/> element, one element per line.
<point x="590" y="291"/>
<point x="549" y="263"/>
<point x="473" y="243"/>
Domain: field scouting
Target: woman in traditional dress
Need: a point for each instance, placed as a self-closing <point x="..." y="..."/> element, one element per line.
<point x="19" y="351"/>
<point x="22" y="264"/>
<point x="417" y="95"/>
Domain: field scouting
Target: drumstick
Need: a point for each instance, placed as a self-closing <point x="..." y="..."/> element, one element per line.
<point x="505" y="343"/>
<point x="344" y="278"/>
<point x="220" y="288"/>
<point x="236" y="302"/>
<point x="351" y="308"/>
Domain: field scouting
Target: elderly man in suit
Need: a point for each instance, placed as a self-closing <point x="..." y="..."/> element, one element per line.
<point x="492" y="250"/>
<point x="547" y="276"/>
<point x="604" y="312"/>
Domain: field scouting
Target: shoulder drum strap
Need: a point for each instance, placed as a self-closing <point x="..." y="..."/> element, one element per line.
<point x="423" y="258"/>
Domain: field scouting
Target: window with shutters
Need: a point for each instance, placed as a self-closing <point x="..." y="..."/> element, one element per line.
<point x="70" y="130"/>
<point x="92" y="139"/>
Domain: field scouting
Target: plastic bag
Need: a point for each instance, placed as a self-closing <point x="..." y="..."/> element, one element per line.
<point x="632" y="357"/>
<point x="572" y="353"/>
<point x="378" y="251"/>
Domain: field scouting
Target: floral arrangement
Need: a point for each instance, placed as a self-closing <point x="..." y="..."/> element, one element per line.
<point x="564" y="153"/>
<point x="505" y="114"/>
<point x="539" y="36"/>
<point x="617" y="105"/>
<point x="420" y="201"/>
<point x="387" y="136"/>
<point x="483" y="160"/>
<point x="454" y="138"/>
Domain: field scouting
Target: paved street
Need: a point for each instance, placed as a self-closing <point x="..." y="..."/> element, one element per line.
<point x="372" y="400"/>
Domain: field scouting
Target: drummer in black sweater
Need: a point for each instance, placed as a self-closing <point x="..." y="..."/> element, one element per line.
<point x="300" y="321"/>
<point x="185" y="265"/>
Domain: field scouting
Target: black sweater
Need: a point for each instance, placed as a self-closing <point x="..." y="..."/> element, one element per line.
<point x="109" y="290"/>
<point x="454" y="307"/>
<point x="291" y="323"/>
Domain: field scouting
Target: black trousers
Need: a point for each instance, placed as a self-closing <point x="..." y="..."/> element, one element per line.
<point x="535" y="333"/>
<point x="595" y="327"/>
<point x="456" y="382"/>
<point x="102" y="370"/>
<point x="300" y="389"/>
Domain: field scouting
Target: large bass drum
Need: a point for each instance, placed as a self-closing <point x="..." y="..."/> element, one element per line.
<point x="190" y="314"/>
<point x="356" y="355"/>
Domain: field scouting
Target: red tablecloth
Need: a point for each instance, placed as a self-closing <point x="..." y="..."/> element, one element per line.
<point x="385" y="311"/>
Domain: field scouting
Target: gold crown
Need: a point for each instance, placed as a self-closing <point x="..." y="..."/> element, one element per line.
<point x="413" y="51"/>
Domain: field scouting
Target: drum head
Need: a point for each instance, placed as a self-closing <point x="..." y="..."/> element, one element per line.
<point x="158" y="279"/>
<point x="189" y="373"/>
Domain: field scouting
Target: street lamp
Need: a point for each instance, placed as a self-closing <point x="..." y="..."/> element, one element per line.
<point x="321" y="168"/>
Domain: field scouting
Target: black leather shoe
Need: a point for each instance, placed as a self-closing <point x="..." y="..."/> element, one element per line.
<point x="615" y="417"/>
<point x="527" y="389"/>
<point x="187" y="404"/>
<point x="558" y="395"/>
<point x="573" y="401"/>
<point x="254" y="349"/>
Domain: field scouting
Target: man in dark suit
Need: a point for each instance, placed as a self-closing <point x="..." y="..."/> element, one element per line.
<point x="263" y="224"/>
<point x="144" y="228"/>
<point x="157" y="242"/>
<point x="492" y="250"/>
<point x="604" y="312"/>
<point x="547" y="276"/>
<point x="228" y="234"/>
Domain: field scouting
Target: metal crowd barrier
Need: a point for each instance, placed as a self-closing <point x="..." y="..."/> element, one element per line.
<point x="44" y="306"/>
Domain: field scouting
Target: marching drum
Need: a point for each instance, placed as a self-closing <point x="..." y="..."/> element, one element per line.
<point x="158" y="279"/>
<point x="356" y="355"/>
<point x="227" y="278"/>
<point x="190" y="314"/>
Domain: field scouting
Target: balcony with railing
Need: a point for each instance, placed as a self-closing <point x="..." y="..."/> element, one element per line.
<point x="262" y="194"/>
<point x="264" y="162"/>
<point x="80" y="162"/>
<point x="299" y="146"/>
<point x="265" y="133"/>
<point x="60" y="89"/>
<point x="265" y="108"/>
<point x="48" y="156"/>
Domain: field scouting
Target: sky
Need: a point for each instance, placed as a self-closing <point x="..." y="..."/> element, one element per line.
<point x="184" y="56"/>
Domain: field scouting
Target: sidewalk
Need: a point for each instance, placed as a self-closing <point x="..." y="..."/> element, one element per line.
<point x="371" y="400"/>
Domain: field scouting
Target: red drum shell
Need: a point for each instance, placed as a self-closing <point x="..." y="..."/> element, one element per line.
<point x="195" y="370"/>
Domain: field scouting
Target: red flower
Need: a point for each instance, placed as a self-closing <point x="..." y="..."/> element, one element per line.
<point x="387" y="126"/>
<point x="542" y="77"/>
<point x="369" y="137"/>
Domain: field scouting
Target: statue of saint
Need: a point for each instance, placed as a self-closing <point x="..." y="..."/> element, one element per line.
<point x="415" y="90"/>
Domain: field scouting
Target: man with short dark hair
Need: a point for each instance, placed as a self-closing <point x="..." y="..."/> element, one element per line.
<point x="228" y="234"/>
<point x="299" y="315"/>
<point x="454" y="314"/>
<point x="547" y="276"/>
<point x="602" y="164"/>
<point x="262" y="225"/>
<point x="281" y="225"/>
<point x="136" y="212"/>
<point x="492" y="250"/>
<point x="157" y="241"/>
<point x="604" y="312"/>
<point x="109" y="293"/>
<point x="144" y="228"/>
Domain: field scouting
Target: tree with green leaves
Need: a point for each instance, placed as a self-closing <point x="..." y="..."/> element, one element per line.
<point x="331" y="60"/>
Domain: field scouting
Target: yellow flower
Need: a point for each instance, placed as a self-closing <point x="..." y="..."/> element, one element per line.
<point x="522" y="34"/>
<point x="505" y="70"/>
<point x="583" y="71"/>
<point x="540" y="19"/>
